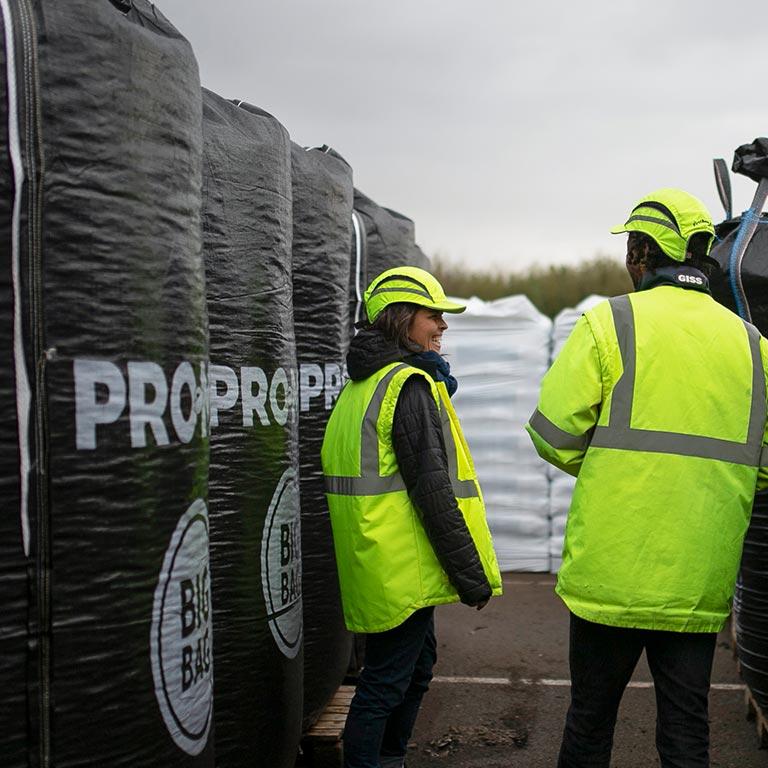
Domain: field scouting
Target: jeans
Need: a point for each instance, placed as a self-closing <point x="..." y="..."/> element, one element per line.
<point x="602" y="660"/>
<point x="396" y="674"/>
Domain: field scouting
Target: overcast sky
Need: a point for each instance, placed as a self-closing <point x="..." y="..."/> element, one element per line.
<point x="512" y="133"/>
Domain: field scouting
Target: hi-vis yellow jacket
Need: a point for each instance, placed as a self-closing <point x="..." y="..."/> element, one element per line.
<point x="387" y="566"/>
<point x="657" y="403"/>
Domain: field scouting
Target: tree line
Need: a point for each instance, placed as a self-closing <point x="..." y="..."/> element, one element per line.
<point x="550" y="288"/>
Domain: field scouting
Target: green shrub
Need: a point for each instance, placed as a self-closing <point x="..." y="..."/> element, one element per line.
<point x="550" y="288"/>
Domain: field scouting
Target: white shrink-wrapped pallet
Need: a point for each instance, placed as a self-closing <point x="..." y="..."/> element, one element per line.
<point x="562" y="485"/>
<point x="499" y="350"/>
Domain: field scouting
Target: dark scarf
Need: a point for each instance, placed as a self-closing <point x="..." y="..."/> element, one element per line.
<point x="437" y="367"/>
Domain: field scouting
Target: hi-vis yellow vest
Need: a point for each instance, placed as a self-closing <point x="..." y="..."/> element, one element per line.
<point x="657" y="402"/>
<point x="387" y="567"/>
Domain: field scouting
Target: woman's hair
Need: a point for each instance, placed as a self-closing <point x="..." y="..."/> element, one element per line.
<point x="394" y="321"/>
<point x="644" y="251"/>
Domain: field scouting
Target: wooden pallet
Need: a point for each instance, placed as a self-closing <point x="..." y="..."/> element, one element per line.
<point x="330" y="725"/>
<point x="752" y="708"/>
<point x="321" y="744"/>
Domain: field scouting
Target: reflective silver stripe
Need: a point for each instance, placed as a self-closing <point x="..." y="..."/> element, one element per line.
<point x="624" y="391"/>
<point x="425" y="294"/>
<point x="764" y="456"/>
<point x="462" y="489"/>
<point x="370" y="483"/>
<point x="674" y="442"/>
<point x="654" y="220"/>
<point x="369" y="439"/>
<point x="619" y="433"/>
<point x="364" y="486"/>
<point x="556" y="437"/>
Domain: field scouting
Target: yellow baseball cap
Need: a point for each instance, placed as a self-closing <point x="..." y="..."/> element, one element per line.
<point x="671" y="217"/>
<point x="406" y="284"/>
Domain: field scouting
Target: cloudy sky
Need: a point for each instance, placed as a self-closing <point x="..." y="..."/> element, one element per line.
<point x="512" y="133"/>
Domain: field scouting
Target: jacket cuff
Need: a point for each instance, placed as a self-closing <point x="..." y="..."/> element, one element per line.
<point x="477" y="594"/>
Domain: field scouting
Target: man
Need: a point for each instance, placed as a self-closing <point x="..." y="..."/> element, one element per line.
<point x="657" y="404"/>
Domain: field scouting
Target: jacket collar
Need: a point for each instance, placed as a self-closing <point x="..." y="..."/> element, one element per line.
<point x="682" y="277"/>
<point x="371" y="350"/>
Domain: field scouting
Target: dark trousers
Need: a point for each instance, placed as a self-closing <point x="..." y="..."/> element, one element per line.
<point x="602" y="660"/>
<point x="396" y="674"/>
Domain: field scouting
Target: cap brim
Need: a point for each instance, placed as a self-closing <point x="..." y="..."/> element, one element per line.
<point x="449" y="306"/>
<point x="619" y="229"/>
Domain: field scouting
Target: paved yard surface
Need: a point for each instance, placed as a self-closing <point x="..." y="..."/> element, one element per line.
<point x="500" y="695"/>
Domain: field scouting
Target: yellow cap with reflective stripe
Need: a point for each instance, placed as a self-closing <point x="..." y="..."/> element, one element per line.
<point x="671" y="217"/>
<point x="406" y="284"/>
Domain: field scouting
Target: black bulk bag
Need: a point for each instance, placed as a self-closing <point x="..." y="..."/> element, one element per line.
<point x="322" y="232"/>
<point x="754" y="270"/>
<point x="15" y="548"/>
<point x="750" y="604"/>
<point x="254" y="503"/>
<point x="108" y="375"/>
<point x="415" y="257"/>
<point x="741" y="252"/>
<point x="741" y="246"/>
<point x="389" y="238"/>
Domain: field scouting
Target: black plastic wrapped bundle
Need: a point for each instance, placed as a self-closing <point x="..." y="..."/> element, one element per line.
<point x="415" y="256"/>
<point x="322" y="232"/>
<point x="389" y="238"/>
<point x="750" y="605"/>
<point x="111" y="357"/>
<point x="744" y="273"/>
<point x="254" y="501"/>
<point x="754" y="270"/>
<point x="741" y="248"/>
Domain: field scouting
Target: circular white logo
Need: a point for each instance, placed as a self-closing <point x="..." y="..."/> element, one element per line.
<point x="181" y="636"/>
<point x="281" y="565"/>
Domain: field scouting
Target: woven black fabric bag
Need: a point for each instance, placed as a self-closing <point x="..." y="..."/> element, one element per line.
<point x="322" y="233"/>
<point x="254" y="501"/>
<point x="104" y="520"/>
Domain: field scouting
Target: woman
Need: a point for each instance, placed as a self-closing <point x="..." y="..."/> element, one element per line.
<point x="407" y="514"/>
